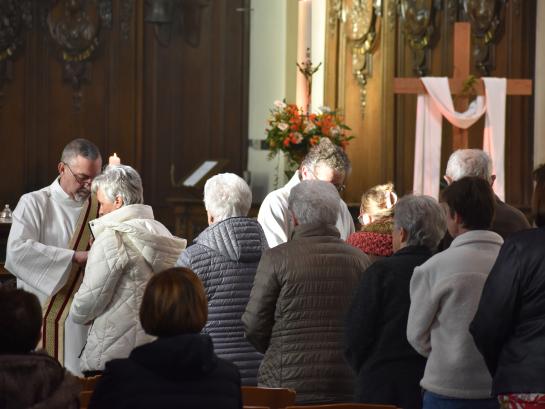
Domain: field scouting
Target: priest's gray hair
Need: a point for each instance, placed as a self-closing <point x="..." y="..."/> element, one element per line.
<point x="80" y="147"/>
<point x="120" y="180"/>
<point x="423" y="220"/>
<point x="326" y="153"/>
<point x="227" y="195"/>
<point x="469" y="162"/>
<point x="314" y="202"/>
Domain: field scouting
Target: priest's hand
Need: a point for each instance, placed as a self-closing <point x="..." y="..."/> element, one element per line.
<point x="80" y="257"/>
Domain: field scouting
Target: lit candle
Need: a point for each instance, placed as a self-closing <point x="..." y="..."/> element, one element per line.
<point x="114" y="160"/>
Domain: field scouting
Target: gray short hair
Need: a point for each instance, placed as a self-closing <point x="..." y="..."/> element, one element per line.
<point x="120" y="180"/>
<point x="326" y="153"/>
<point x="227" y="195"/>
<point x="314" y="201"/>
<point x="80" y="147"/>
<point x="423" y="220"/>
<point x="469" y="162"/>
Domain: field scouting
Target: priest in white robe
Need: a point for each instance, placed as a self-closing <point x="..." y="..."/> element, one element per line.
<point x="44" y="223"/>
<point x="325" y="162"/>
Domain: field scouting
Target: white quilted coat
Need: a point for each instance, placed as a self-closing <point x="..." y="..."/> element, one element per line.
<point x="129" y="247"/>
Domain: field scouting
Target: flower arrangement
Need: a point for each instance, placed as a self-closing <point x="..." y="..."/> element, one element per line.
<point x="294" y="132"/>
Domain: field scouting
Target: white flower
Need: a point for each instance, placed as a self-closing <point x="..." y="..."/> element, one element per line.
<point x="310" y="127"/>
<point x="280" y="104"/>
<point x="325" y="109"/>
<point x="298" y="138"/>
<point x="282" y="126"/>
<point x="335" y="131"/>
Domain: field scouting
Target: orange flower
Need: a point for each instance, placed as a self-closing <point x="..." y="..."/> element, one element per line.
<point x="314" y="140"/>
<point x="286" y="142"/>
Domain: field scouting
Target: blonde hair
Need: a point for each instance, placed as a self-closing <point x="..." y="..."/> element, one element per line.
<point x="378" y="202"/>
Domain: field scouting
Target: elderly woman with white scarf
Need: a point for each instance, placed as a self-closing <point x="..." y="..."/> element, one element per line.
<point x="129" y="247"/>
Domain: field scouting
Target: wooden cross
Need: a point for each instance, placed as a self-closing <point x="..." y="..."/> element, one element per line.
<point x="462" y="54"/>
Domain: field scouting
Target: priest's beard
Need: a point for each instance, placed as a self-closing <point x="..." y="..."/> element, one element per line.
<point x="82" y="195"/>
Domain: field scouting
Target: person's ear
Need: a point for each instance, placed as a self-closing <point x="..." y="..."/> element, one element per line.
<point x="118" y="202"/>
<point x="304" y="173"/>
<point x="458" y="219"/>
<point x="60" y="168"/>
<point x="403" y="235"/>
<point x="295" y="222"/>
<point x="210" y="218"/>
<point x="492" y="180"/>
<point x="448" y="179"/>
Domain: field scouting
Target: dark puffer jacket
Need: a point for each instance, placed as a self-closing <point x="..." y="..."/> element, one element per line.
<point x="301" y="293"/>
<point x="225" y="257"/>
<point x="175" y="372"/>
<point x="36" y="381"/>
<point x="509" y="326"/>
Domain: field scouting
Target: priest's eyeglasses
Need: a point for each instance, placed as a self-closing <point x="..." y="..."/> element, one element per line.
<point x="82" y="180"/>
<point x="340" y="188"/>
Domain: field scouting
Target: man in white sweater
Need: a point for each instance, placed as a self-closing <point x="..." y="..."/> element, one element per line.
<point x="445" y="293"/>
<point x="326" y="162"/>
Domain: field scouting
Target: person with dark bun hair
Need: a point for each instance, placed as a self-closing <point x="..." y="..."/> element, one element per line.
<point x="27" y="378"/>
<point x="180" y="368"/>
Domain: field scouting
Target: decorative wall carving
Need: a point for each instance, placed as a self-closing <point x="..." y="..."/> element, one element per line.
<point x="334" y="15"/>
<point x="361" y="31"/>
<point x="418" y="25"/>
<point x="15" y="16"/>
<point x="485" y="18"/>
<point x="106" y="13"/>
<point x="74" y="26"/>
<point x="127" y="8"/>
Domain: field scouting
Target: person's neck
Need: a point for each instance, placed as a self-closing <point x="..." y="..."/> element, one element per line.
<point x="460" y="230"/>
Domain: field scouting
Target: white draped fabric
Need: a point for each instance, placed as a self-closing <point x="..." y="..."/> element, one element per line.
<point x="436" y="104"/>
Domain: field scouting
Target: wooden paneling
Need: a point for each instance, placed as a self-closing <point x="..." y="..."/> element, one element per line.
<point x="154" y="103"/>
<point x="384" y="146"/>
<point x="196" y="105"/>
<point x="513" y="55"/>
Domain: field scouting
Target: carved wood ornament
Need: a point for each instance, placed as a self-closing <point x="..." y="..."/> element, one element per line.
<point x="485" y="19"/>
<point x="360" y="19"/>
<point x="418" y="18"/>
<point x="74" y="26"/>
<point x="15" y="16"/>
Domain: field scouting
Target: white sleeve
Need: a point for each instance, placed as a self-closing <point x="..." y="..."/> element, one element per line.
<point x="345" y="223"/>
<point x="44" y="268"/>
<point x="274" y="218"/>
<point x="421" y="313"/>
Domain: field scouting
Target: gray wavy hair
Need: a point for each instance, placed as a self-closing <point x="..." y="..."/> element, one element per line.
<point x="326" y="153"/>
<point x="227" y="195"/>
<point x="120" y="180"/>
<point x="80" y="147"/>
<point x="423" y="220"/>
<point x="469" y="162"/>
<point x="314" y="201"/>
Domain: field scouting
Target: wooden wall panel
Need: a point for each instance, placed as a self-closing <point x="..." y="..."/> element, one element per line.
<point x="154" y="103"/>
<point x="514" y="54"/>
<point x="384" y="145"/>
<point x="196" y="100"/>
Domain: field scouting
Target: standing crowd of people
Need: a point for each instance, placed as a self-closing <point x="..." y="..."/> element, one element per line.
<point x="432" y="304"/>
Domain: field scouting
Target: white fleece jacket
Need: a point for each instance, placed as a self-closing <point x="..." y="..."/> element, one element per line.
<point x="129" y="247"/>
<point x="445" y="294"/>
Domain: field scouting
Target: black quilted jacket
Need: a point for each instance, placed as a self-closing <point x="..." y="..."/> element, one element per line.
<point x="225" y="256"/>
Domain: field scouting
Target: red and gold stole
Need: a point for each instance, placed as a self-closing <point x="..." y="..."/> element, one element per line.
<point x="58" y="306"/>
